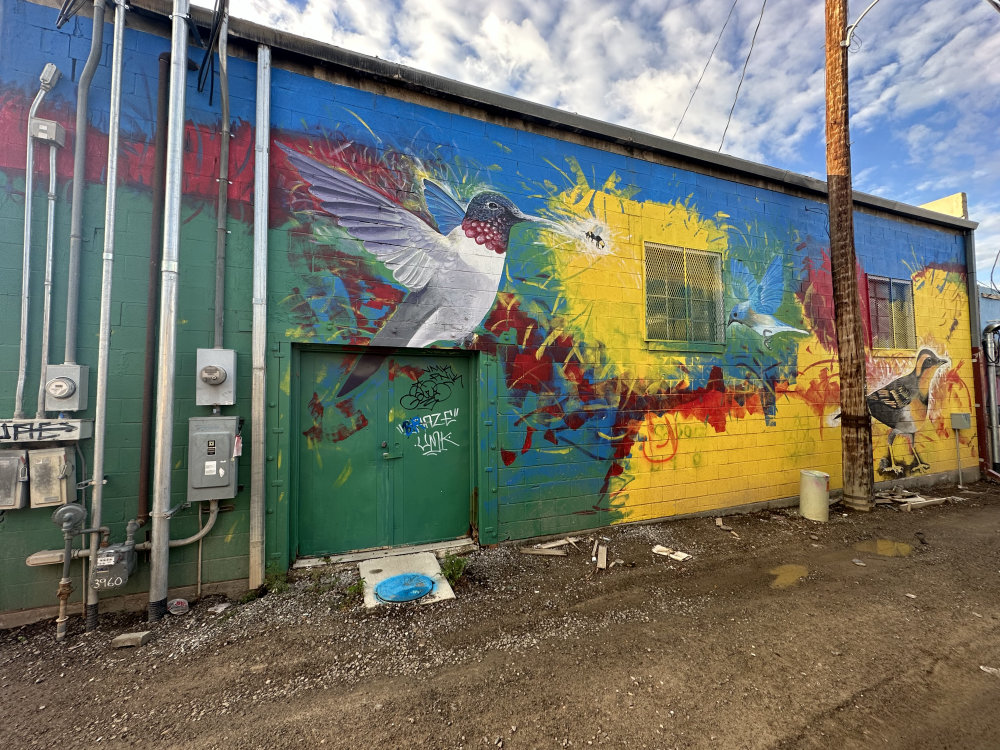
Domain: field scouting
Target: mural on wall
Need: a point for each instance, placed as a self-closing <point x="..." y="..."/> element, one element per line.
<point x="394" y="245"/>
<point x="903" y="405"/>
<point x="759" y="300"/>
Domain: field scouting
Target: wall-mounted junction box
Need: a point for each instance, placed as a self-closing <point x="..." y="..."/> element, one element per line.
<point x="66" y="387"/>
<point x="47" y="130"/>
<point x="212" y="451"/>
<point x="13" y="479"/>
<point x="215" y="382"/>
<point x="961" y="420"/>
<point x="52" y="472"/>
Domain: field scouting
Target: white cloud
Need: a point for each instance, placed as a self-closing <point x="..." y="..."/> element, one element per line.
<point x="925" y="87"/>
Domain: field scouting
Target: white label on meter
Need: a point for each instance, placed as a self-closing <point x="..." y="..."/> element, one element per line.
<point x="106" y="560"/>
<point x="210" y="470"/>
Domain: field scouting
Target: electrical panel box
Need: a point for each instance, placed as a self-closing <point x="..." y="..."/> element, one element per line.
<point x="13" y="479"/>
<point x="53" y="476"/>
<point x="66" y="387"/>
<point x="961" y="420"/>
<point x="213" y="447"/>
<point x="215" y="384"/>
<point x="115" y="563"/>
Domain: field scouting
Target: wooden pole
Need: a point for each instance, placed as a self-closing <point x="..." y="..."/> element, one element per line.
<point x="856" y="435"/>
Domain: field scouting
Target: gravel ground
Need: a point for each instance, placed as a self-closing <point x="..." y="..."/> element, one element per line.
<point x="771" y="636"/>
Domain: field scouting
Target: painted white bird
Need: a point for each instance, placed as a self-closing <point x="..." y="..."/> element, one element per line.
<point x="760" y="300"/>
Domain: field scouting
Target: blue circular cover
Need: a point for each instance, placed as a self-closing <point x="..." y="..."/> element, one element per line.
<point x="407" y="587"/>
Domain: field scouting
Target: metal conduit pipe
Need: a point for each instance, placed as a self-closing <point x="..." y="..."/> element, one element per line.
<point x="259" y="334"/>
<point x="153" y="285"/>
<point x="50" y="241"/>
<point x="160" y="548"/>
<point x="57" y="556"/>
<point x="79" y="180"/>
<point x="104" y="340"/>
<point x="223" y="204"/>
<point x="48" y="79"/>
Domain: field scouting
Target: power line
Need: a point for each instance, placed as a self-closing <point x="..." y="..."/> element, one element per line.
<point x="745" y="63"/>
<point x="705" y="69"/>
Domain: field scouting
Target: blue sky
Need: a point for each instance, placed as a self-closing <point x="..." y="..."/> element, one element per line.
<point x="925" y="82"/>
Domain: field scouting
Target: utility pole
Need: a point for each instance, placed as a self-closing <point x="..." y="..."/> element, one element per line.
<point x="855" y="432"/>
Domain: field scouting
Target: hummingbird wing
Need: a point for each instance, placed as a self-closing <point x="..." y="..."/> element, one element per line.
<point x="447" y="212"/>
<point x="401" y="240"/>
<point x="771" y="288"/>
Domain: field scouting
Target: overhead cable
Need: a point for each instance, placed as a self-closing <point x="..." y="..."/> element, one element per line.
<point x="743" y="74"/>
<point x="705" y="69"/>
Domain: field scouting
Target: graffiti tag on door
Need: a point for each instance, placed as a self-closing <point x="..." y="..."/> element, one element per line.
<point x="413" y="425"/>
<point x="433" y="387"/>
<point x="433" y="443"/>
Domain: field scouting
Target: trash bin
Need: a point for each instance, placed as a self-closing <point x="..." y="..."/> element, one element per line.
<point x="814" y="495"/>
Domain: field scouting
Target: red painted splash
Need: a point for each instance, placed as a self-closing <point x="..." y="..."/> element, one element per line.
<point x="527" y="440"/>
<point x="136" y="154"/>
<point x="507" y="457"/>
<point x="316" y="406"/>
<point x="526" y="372"/>
<point x="815" y="294"/>
<point x="821" y="392"/>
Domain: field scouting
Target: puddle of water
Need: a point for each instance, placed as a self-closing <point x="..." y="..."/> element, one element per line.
<point x="884" y="548"/>
<point x="787" y="575"/>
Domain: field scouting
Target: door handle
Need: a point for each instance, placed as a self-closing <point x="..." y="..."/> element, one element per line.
<point x="390" y="456"/>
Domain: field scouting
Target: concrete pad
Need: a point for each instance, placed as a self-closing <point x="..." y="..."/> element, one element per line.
<point x="373" y="572"/>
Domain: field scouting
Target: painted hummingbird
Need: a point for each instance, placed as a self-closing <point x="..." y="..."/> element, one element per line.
<point x="451" y="271"/>
<point x="759" y="300"/>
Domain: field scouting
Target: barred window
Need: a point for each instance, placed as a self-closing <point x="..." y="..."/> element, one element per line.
<point x="890" y="311"/>
<point x="683" y="295"/>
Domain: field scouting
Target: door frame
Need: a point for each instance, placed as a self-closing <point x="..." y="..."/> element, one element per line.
<point x="282" y="476"/>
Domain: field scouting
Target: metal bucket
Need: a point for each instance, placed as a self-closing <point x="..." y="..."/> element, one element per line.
<point x="814" y="495"/>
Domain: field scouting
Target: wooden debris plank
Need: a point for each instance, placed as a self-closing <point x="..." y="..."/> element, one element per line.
<point x="602" y="557"/>
<point x="547" y="552"/>
<point x="553" y="545"/>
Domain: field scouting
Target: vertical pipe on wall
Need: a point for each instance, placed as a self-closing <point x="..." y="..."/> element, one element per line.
<point x="160" y="549"/>
<point x="79" y="180"/>
<point x="223" y="203"/>
<point x="50" y="241"/>
<point x="107" y="275"/>
<point x="29" y="189"/>
<point x="259" y="335"/>
<point x="153" y="285"/>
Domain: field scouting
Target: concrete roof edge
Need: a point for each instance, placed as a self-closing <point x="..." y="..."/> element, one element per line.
<point x="483" y="98"/>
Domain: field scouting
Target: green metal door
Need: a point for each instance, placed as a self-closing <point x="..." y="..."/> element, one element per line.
<point x="384" y="452"/>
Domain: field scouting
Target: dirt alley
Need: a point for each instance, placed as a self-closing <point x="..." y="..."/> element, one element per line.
<point x="732" y="649"/>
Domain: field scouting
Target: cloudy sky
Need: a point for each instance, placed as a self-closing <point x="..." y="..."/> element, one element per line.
<point x="925" y="78"/>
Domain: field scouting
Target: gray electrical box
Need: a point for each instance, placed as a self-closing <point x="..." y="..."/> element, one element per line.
<point x="66" y="387"/>
<point x="213" y="448"/>
<point x="52" y="472"/>
<point x="215" y="382"/>
<point x="47" y="130"/>
<point x="13" y="479"/>
<point x="961" y="420"/>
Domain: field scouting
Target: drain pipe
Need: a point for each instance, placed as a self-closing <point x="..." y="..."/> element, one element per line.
<point x="79" y="179"/>
<point x="48" y="79"/>
<point x="50" y="241"/>
<point x="259" y="335"/>
<point x="160" y="558"/>
<point x="104" y="341"/>
<point x="223" y="204"/>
